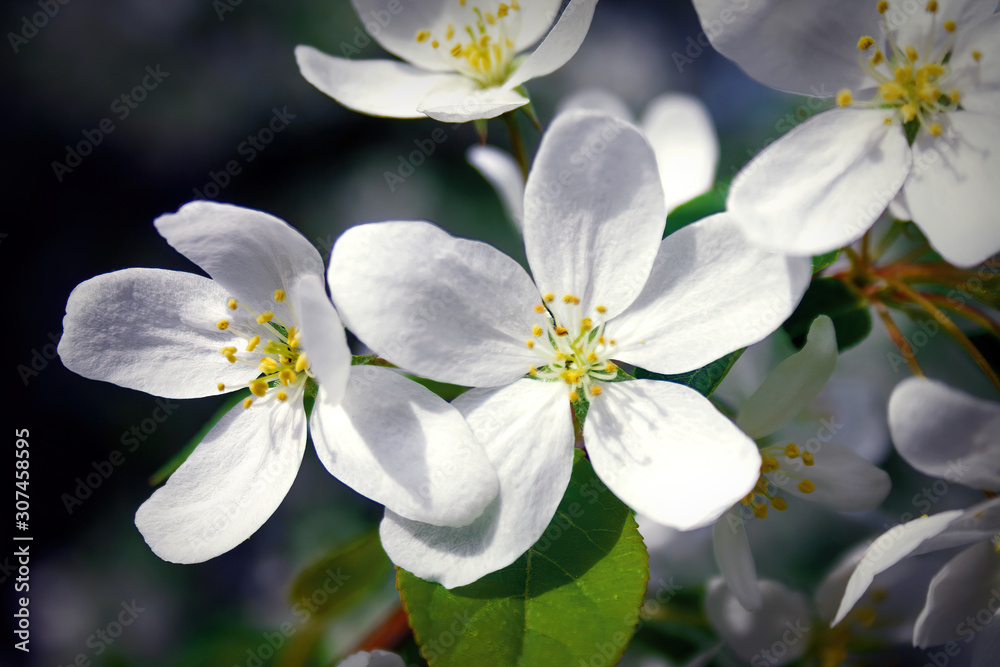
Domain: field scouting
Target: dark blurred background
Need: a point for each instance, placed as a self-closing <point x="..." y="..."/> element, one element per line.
<point x="202" y="78"/>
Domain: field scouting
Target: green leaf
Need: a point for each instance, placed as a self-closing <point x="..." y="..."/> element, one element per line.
<point x="710" y="203"/>
<point x="704" y="380"/>
<point x="829" y="296"/>
<point x="332" y="585"/>
<point x="572" y="598"/>
<point x="820" y="262"/>
<point x="173" y="464"/>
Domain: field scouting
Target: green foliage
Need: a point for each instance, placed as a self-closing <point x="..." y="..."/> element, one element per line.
<point x="710" y="203"/>
<point x="704" y="380"/>
<point x="574" y="596"/>
<point x="829" y="296"/>
<point x="820" y="262"/>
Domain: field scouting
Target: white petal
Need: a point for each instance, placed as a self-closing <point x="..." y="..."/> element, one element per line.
<point x="822" y="185"/>
<point x="450" y="309"/>
<point x="978" y="81"/>
<point x="844" y="481"/>
<point x="376" y="87"/>
<point x="912" y="28"/>
<point x="535" y="18"/>
<point x="967" y="587"/>
<point x="395" y="26"/>
<point x="640" y="433"/>
<point x="394" y="441"/>
<point x="977" y="523"/>
<point x="732" y="553"/>
<point x="793" y="384"/>
<point x="373" y="659"/>
<point x="229" y="486"/>
<point x="596" y="99"/>
<point x="687" y="151"/>
<point x="952" y="190"/>
<point x="946" y="433"/>
<point x="559" y="45"/>
<point x="249" y="253"/>
<point x="888" y="549"/>
<point x="461" y="100"/>
<point x="593" y="212"/>
<point x="323" y="336"/>
<point x="151" y="330"/>
<point x="503" y="173"/>
<point x="806" y="48"/>
<point x="784" y="619"/>
<point x="710" y="293"/>
<point x="528" y="435"/>
<point x="986" y="652"/>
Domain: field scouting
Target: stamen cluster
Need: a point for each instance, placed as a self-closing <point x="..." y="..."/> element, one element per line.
<point x="761" y="496"/>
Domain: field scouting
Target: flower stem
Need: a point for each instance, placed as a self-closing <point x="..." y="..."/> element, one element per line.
<point x="517" y="142"/>
<point x="897" y="337"/>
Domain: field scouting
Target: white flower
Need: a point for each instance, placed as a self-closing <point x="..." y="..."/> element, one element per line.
<point x="934" y="67"/>
<point x="461" y="56"/>
<point x="822" y="472"/>
<point x="373" y="659"/>
<point x="605" y="289"/>
<point x="950" y="434"/>
<point x="677" y="126"/>
<point x="264" y="321"/>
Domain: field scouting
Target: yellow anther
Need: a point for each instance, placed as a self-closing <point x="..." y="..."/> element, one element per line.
<point x="222" y="324"/>
<point x="892" y="91"/>
<point x="596" y="390"/>
<point x="267" y="365"/>
<point x="911" y="54"/>
<point x="601" y="309"/>
<point x="484" y="41"/>
<point x="866" y="616"/>
<point x="935" y="129"/>
<point x="515" y="5"/>
<point x="435" y="44"/>
<point x="909" y="110"/>
<point x="806" y="486"/>
<point x="877" y="57"/>
<point x="574" y="397"/>
<point x="560" y="356"/>
<point x="294" y="337"/>
<point x="302" y="363"/>
<point x="612" y="342"/>
<point x="865" y="43"/>
<point x="265" y="317"/>
<point x="222" y="387"/>
<point x="760" y="510"/>
<point x="611" y="368"/>
<point x="768" y="464"/>
<point x="883" y="6"/>
<point x="247" y="403"/>
<point x="490" y="19"/>
<point x="232" y="304"/>
<point x="761" y="486"/>
<point x="532" y="371"/>
<point x="569" y="298"/>
<point x="977" y="56"/>
<point x="808" y="459"/>
<point x="592" y="357"/>
<point x="279" y="295"/>
<point x="904" y="74"/>
<point x="549" y="297"/>
<point x="929" y="94"/>
<point x="844" y="98"/>
<point x="450" y="33"/>
<point x="423" y="35"/>
<point x="779" y="504"/>
<point x="586" y="324"/>
<point x="539" y="308"/>
<point x="887" y="120"/>
<point x="949" y="26"/>
<point x="228" y="351"/>
<point x="747" y="499"/>
<point x="955" y="97"/>
<point x="461" y="2"/>
<point x="792" y="450"/>
<point x="570" y="377"/>
<point x="932" y="6"/>
<point x="282" y="396"/>
<point x="561" y="331"/>
<point x="258" y="387"/>
<point x="600" y="340"/>
<point x="286" y="377"/>
<point x="879" y="595"/>
<point x="502" y="10"/>
<point x="456" y="50"/>
<point x="252" y="343"/>
<point x="530" y="344"/>
<point x="536" y="330"/>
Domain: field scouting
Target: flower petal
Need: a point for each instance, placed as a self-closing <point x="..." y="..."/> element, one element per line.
<point x="844" y="480"/>
<point x="710" y="293"/>
<point x="793" y="46"/>
<point x="946" y="433"/>
<point x="822" y="185"/>
<point x="951" y="191"/>
<point x="912" y="28"/>
<point x="151" y="330"/>
<point x="392" y="440"/>
<point x="640" y="434"/>
<point x="593" y="212"/>
<point x="986" y="652"/>
<point x="527" y="432"/>
<point x="561" y="44"/>
<point x="978" y="80"/>
<point x="460" y="100"/>
<point x="450" y="309"/>
<point x="229" y="486"/>
<point x="596" y="99"/>
<point x="793" y="384"/>
<point x="536" y="19"/>
<point x="964" y="588"/>
<point x="732" y="553"/>
<point x="784" y="619"/>
<point x="502" y="172"/>
<point x="888" y="549"/>
<point x="687" y="151"/>
<point x="248" y="253"/>
<point x="395" y="27"/>
<point x="376" y="87"/>
<point x="323" y="336"/>
<point x="373" y="659"/>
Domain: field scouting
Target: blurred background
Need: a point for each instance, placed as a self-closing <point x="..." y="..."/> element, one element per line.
<point x="186" y="87"/>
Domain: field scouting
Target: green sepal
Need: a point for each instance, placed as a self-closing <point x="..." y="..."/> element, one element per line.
<point x="704" y="380"/>
<point x="829" y="296"/>
<point x="820" y="262"/>
<point x="710" y="203"/>
<point x="575" y="595"/>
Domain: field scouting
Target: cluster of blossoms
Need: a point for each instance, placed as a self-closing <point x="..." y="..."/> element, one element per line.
<point x="573" y="354"/>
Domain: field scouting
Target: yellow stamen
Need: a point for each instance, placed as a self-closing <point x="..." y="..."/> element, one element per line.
<point x="302" y="363"/>
<point x="502" y="10"/>
<point x="807" y="458"/>
<point x="549" y="296"/>
<point x="892" y="91"/>
<point x="569" y="298"/>
<point x="570" y="377"/>
<point x="932" y="6"/>
<point x="791" y="450"/>
<point x="282" y="396"/>
<point x="450" y="33"/>
<point x="911" y="54"/>
<point x="955" y="97"/>
<point x="883" y="6"/>
<point x="760" y="510"/>
<point x="877" y="58"/>
<point x="935" y="129"/>
<point x="561" y="331"/>
<point x="435" y="44"/>
<point x="530" y="343"/>
<point x="287" y="376"/>
<point x="865" y="43"/>
<point x="247" y="403"/>
<point x="586" y="324"/>
<point x="611" y="368"/>
<point x="258" y="388"/>
<point x="977" y="56"/>
<point x="252" y="343"/>
<point x="423" y="35"/>
<point x="596" y="390"/>
<point x="265" y="317"/>
<point x="806" y="486"/>
<point x="279" y="295"/>
<point x="949" y="26"/>
<point x="232" y="304"/>
<point x="909" y="111"/>
<point x="574" y="397"/>
<point x="592" y="356"/>
<point x="779" y="504"/>
<point x="844" y="98"/>
<point x="536" y="330"/>
<point x="456" y="50"/>
<point x="601" y="309"/>
<point x="539" y="309"/>
<point x="532" y="371"/>
<point x="223" y="325"/>
<point x="222" y="387"/>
